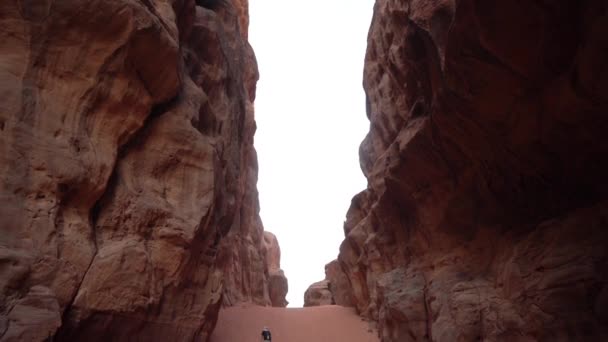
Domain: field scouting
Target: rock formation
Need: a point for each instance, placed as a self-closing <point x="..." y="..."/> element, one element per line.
<point x="486" y="211"/>
<point x="334" y="289"/>
<point x="252" y="269"/>
<point x="127" y="160"/>
<point x="318" y="294"/>
<point x="277" y="282"/>
<point x="339" y="285"/>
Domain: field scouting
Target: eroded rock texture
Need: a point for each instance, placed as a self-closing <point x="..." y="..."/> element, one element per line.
<point x="335" y="289"/>
<point x="486" y="212"/>
<point x="277" y="282"/>
<point x="126" y="132"/>
<point x="318" y="294"/>
<point x="251" y="262"/>
<point x="339" y="284"/>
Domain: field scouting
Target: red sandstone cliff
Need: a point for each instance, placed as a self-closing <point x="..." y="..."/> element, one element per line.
<point x="126" y="132"/>
<point x="486" y="212"/>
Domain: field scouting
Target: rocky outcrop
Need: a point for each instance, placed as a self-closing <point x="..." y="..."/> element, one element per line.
<point x="485" y="216"/>
<point x="252" y="268"/>
<point x="277" y="288"/>
<point x="318" y="294"/>
<point x="335" y="289"/>
<point x="126" y="132"/>
<point x="277" y="282"/>
<point x="339" y="285"/>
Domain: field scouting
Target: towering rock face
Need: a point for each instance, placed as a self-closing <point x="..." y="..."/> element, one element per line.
<point x="486" y="212"/>
<point x="126" y="130"/>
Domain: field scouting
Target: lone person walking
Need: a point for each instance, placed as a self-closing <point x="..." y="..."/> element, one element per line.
<point x="266" y="334"/>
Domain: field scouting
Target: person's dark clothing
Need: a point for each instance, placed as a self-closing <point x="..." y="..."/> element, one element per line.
<point x="266" y="335"/>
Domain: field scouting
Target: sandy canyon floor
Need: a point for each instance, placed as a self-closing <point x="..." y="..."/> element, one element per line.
<point x="319" y="324"/>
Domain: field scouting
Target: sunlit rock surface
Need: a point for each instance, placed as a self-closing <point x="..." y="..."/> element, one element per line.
<point x="126" y="139"/>
<point x="486" y="212"/>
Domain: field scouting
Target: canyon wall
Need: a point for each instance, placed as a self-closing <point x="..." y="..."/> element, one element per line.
<point x="486" y="211"/>
<point x="127" y="162"/>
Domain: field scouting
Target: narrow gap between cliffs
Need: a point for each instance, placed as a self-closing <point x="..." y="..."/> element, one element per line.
<point x="310" y="114"/>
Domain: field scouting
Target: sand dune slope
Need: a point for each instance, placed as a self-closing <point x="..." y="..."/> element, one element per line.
<point x="318" y="324"/>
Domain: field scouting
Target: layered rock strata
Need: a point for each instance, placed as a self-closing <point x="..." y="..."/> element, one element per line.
<point x="486" y="211"/>
<point x="126" y="138"/>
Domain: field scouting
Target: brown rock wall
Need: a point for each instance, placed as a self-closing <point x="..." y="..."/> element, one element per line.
<point x="339" y="285"/>
<point x="485" y="212"/>
<point x="277" y="282"/>
<point x="252" y="269"/>
<point x="126" y="139"/>
<point x="335" y="289"/>
<point x="278" y="288"/>
<point x="318" y="294"/>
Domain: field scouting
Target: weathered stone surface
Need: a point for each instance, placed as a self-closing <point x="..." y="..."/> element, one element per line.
<point x="126" y="139"/>
<point x="272" y="251"/>
<point x="318" y="294"/>
<point x="277" y="288"/>
<point x="485" y="216"/>
<point x="34" y="317"/>
<point x="339" y="285"/>
<point x="334" y="289"/>
<point x="251" y="265"/>
<point x="277" y="282"/>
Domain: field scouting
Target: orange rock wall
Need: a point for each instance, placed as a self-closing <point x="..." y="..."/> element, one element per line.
<point x="126" y="139"/>
<point x="486" y="211"/>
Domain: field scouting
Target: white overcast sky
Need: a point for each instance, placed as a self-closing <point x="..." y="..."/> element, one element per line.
<point x="310" y="113"/>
